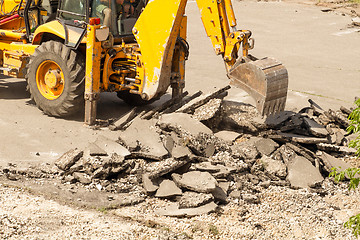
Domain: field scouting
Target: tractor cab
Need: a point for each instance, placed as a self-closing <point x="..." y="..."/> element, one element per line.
<point x="119" y="16"/>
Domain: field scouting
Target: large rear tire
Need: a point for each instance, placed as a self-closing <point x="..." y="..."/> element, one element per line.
<point x="56" y="78"/>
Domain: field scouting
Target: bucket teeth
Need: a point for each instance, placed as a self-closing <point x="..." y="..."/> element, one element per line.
<point x="265" y="80"/>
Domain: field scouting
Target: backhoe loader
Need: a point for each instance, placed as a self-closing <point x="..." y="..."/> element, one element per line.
<point x="71" y="50"/>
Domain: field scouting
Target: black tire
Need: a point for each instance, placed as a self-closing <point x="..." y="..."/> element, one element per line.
<point x="133" y="99"/>
<point x="72" y="65"/>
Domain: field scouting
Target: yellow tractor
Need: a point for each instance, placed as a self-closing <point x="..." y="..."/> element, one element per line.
<point x="71" y="50"/>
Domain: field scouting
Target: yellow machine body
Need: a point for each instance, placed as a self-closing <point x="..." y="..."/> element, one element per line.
<point x="139" y="55"/>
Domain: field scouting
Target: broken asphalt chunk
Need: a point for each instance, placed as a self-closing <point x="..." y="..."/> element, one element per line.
<point x="197" y="181"/>
<point x="82" y="177"/>
<point x="227" y="136"/>
<point x="158" y="169"/>
<point x="335" y="148"/>
<point x="277" y="119"/>
<point x="208" y="110"/>
<point x="180" y="152"/>
<point x="302" y="174"/>
<point x="111" y="146"/>
<point x="266" y="146"/>
<point x="193" y="199"/>
<point x="219" y="195"/>
<point x="168" y="189"/>
<point x="143" y="133"/>
<point x="298" y="138"/>
<point x="68" y="159"/>
<point x="274" y="167"/>
<point x="332" y="162"/>
<point x="148" y="184"/>
<point x="315" y="128"/>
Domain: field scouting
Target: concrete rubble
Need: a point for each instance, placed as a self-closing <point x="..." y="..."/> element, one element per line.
<point x="211" y="152"/>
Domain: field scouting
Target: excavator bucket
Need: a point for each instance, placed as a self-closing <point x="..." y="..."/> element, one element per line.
<point x="265" y="80"/>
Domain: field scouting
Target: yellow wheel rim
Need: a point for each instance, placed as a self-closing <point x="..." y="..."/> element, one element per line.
<point x="50" y="79"/>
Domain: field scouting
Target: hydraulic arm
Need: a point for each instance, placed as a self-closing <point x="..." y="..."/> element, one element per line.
<point x="158" y="27"/>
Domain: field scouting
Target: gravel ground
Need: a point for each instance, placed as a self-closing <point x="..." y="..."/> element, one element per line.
<point x="24" y="216"/>
<point x="283" y="213"/>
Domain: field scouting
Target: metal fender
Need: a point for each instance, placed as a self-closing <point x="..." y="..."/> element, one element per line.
<point x="53" y="27"/>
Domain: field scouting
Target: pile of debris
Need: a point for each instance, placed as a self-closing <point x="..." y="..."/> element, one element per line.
<point x="210" y="152"/>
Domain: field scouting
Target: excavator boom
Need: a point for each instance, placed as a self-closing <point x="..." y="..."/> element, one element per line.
<point x="156" y="32"/>
<point x="265" y="80"/>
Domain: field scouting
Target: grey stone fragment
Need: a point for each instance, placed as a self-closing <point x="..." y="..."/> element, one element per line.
<point x="143" y="133"/>
<point x="235" y="194"/>
<point x="69" y="179"/>
<point x="168" y="189"/>
<point x="82" y="177"/>
<point x="209" y="150"/>
<point x="265" y="184"/>
<point x="224" y="171"/>
<point x="274" y="167"/>
<point x="180" y="152"/>
<point x="315" y="128"/>
<point x="245" y="150"/>
<point x="338" y="136"/>
<point x="173" y="210"/>
<point x="250" y="198"/>
<point x="266" y="146"/>
<point x="148" y="184"/>
<point x="68" y="159"/>
<point x="202" y="182"/>
<point x="332" y="162"/>
<point x="349" y="138"/>
<point x="253" y="179"/>
<point x="227" y="136"/>
<point x="302" y="174"/>
<point x="219" y="195"/>
<point x="193" y="199"/>
<point x="224" y="186"/>
<point x="207" y="166"/>
<point x="183" y="121"/>
<point x="111" y="146"/>
<point x="101" y="173"/>
<point x="169" y="144"/>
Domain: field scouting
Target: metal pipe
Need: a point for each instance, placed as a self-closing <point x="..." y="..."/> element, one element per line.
<point x="12" y="35"/>
<point x="130" y="79"/>
<point x="9" y="18"/>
